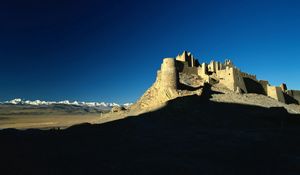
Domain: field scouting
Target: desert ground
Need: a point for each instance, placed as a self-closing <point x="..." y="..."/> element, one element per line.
<point x="217" y="132"/>
<point x="189" y="135"/>
<point x="45" y="122"/>
<point x="60" y="119"/>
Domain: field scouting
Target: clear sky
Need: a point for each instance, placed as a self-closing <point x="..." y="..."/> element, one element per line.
<point x="110" y="50"/>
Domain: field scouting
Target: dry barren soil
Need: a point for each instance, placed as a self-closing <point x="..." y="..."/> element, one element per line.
<point x="188" y="135"/>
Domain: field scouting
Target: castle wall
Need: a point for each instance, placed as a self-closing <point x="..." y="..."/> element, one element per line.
<point x="231" y="78"/>
<point x="264" y="85"/>
<point x="185" y="68"/>
<point x="226" y="78"/>
<point x="169" y="74"/>
<point x="190" y="70"/>
<point x="294" y="94"/>
<point x="202" y="72"/>
<point x="238" y="80"/>
<point x="254" y="86"/>
<point x="212" y="67"/>
<point x="245" y="75"/>
<point x="276" y="93"/>
<point x="215" y="66"/>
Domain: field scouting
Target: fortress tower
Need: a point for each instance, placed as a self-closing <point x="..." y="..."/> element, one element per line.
<point x="169" y="74"/>
<point x="177" y="77"/>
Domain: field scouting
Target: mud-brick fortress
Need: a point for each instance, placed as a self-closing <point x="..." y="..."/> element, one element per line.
<point x="185" y="76"/>
<point x="225" y="74"/>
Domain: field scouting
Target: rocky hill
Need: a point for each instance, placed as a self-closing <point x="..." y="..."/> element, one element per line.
<point x="184" y="76"/>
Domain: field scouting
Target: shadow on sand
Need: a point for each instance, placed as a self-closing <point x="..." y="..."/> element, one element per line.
<point x="190" y="135"/>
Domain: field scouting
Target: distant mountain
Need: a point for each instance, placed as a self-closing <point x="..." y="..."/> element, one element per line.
<point x="38" y="107"/>
<point x="19" y="101"/>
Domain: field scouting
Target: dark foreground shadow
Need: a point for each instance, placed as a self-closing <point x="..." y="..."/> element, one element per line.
<point x="191" y="135"/>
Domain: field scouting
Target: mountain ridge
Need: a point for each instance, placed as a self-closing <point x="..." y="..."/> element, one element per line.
<point x="19" y="101"/>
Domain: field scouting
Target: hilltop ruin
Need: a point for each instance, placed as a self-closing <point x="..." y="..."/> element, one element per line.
<point x="184" y="75"/>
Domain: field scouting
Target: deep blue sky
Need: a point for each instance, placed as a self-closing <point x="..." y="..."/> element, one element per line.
<point x="110" y="50"/>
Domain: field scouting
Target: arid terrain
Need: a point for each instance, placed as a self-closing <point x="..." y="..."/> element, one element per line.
<point x="56" y="116"/>
<point x="62" y="116"/>
<point x="188" y="135"/>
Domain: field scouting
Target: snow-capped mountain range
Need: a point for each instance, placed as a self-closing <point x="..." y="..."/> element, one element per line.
<point x="19" y="101"/>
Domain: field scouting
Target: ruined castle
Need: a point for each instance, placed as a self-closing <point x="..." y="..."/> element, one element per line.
<point x="171" y="81"/>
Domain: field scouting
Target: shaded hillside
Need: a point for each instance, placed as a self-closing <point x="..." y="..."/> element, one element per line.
<point x="190" y="135"/>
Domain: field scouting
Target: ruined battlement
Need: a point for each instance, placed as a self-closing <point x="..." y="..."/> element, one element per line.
<point x="246" y="75"/>
<point x="184" y="76"/>
<point x="219" y="73"/>
<point x="188" y="58"/>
